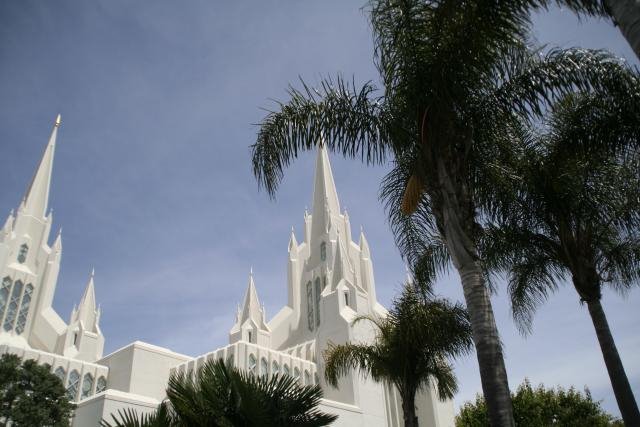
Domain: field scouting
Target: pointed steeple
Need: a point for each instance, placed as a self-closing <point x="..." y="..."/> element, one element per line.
<point x="251" y="305"/>
<point x="8" y="225"/>
<point x="37" y="196"/>
<point x="364" y="245"/>
<point x="86" y="311"/>
<point x="57" y="244"/>
<point x="325" y="196"/>
<point x="293" y="243"/>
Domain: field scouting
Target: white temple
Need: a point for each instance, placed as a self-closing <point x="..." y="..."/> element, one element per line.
<point x="330" y="281"/>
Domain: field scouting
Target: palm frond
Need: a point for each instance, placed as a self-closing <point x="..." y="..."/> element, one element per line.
<point x="346" y="118"/>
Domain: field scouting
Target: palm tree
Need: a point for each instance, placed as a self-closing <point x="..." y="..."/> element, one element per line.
<point x="575" y="213"/>
<point x="411" y="349"/>
<point x="219" y="395"/>
<point x="455" y="76"/>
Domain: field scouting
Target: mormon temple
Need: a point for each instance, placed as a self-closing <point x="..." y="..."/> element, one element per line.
<point x="329" y="281"/>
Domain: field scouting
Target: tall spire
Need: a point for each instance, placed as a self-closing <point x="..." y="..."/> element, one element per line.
<point x="87" y="308"/>
<point x="325" y="196"/>
<point x="37" y="196"/>
<point x="251" y="305"/>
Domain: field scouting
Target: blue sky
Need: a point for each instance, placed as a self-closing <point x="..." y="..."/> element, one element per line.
<point x="152" y="182"/>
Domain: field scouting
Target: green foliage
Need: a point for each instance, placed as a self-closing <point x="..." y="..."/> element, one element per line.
<point x="412" y="347"/>
<point x="219" y="395"/>
<point x="30" y="395"/>
<point x="541" y="407"/>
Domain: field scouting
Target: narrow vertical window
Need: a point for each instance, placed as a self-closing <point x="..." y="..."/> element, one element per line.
<point x="72" y="386"/>
<point x="24" y="309"/>
<point x="252" y="364"/>
<point x="101" y="385"/>
<point x="318" y="291"/>
<point x="250" y="336"/>
<point x="230" y="360"/>
<point x="310" y="321"/>
<point x="275" y="368"/>
<point x="296" y="374"/>
<point x="87" y="386"/>
<point x="12" y="310"/>
<point x="346" y="299"/>
<point x="307" y="377"/>
<point x="22" y="253"/>
<point x="323" y="251"/>
<point x="316" y="379"/>
<point x="285" y="369"/>
<point x="5" y="290"/>
<point x="264" y="367"/>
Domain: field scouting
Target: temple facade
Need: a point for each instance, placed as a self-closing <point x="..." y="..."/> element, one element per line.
<point x="330" y="281"/>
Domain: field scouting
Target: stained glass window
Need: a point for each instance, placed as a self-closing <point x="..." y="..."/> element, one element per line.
<point x="101" y="385"/>
<point x="72" y="385"/>
<point x="252" y="364"/>
<point x="12" y="310"/>
<point x="285" y="369"/>
<point x="60" y="373"/>
<point x="87" y="386"/>
<point x="24" y="309"/>
<point x="323" y="251"/>
<point x="275" y="368"/>
<point x="310" y="321"/>
<point x="317" y="300"/>
<point x="22" y="253"/>
<point x="5" y="289"/>
<point x="307" y="378"/>
<point x="264" y="367"/>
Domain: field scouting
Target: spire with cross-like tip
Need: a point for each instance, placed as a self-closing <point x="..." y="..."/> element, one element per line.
<point x="36" y="198"/>
<point x="251" y="322"/>
<point x="325" y="196"/>
<point x="86" y="311"/>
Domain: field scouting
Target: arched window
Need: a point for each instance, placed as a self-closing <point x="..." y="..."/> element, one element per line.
<point x="310" y="321"/>
<point x="60" y="373"/>
<point x="296" y="374"/>
<point x="72" y="385"/>
<point x="264" y="367"/>
<point x="230" y="360"/>
<point x="316" y="379"/>
<point x="87" y="386"/>
<point x="101" y="385"/>
<point x="323" y="251"/>
<point x="5" y="289"/>
<point x="13" y="306"/>
<point x="307" y="378"/>
<point x="22" y="253"/>
<point x="318" y="291"/>
<point x="285" y="369"/>
<point x="24" y="309"/>
<point x="252" y="364"/>
<point x="275" y="368"/>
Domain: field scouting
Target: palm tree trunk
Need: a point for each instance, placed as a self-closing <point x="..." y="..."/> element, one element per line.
<point x="621" y="388"/>
<point x="626" y="14"/>
<point x="464" y="254"/>
<point x="409" y="412"/>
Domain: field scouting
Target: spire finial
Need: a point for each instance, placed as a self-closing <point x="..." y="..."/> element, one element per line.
<point x="58" y="121"/>
<point x="93" y="272"/>
<point x="251" y="271"/>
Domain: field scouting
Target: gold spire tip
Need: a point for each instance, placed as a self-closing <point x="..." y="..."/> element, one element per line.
<point x="58" y="121"/>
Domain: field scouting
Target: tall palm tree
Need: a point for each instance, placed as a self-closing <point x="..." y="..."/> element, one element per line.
<point x="219" y="395"/>
<point x="411" y="350"/>
<point x="455" y="74"/>
<point x="575" y="213"/>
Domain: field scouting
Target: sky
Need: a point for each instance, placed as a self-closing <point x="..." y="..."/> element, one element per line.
<point x="152" y="180"/>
